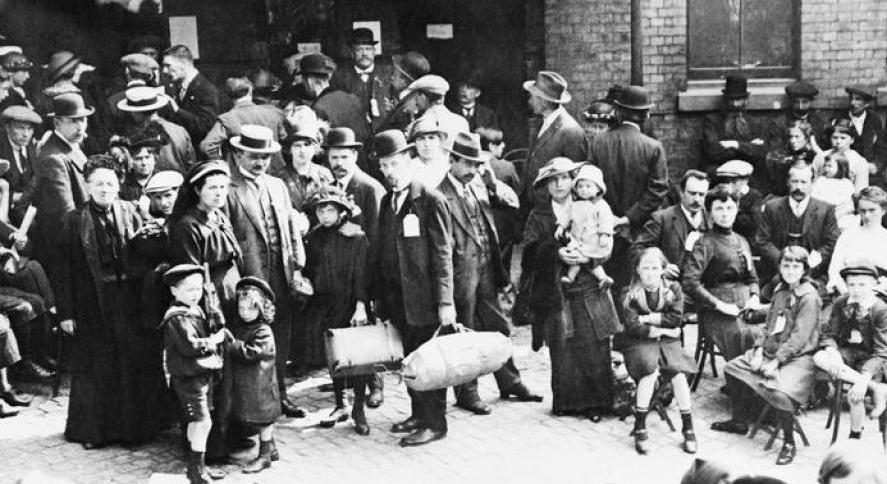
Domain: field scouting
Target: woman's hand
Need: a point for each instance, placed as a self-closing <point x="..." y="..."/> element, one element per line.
<point x="727" y="308"/>
<point x="359" y="318"/>
<point x="753" y="303"/>
<point x="68" y="326"/>
<point x="857" y="391"/>
<point x="770" y="368"/>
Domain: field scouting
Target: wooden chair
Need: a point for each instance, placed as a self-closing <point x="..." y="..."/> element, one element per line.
<point x="705" y="350"/>
<point x="759" y="423"/>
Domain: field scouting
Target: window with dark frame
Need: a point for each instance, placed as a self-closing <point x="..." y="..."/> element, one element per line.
<point x="760" y="38"/>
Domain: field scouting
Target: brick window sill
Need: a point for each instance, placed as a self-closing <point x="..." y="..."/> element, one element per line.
<point x="764" y="95"/>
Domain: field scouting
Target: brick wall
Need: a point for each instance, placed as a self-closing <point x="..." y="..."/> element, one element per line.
<point x="588" y="41"/>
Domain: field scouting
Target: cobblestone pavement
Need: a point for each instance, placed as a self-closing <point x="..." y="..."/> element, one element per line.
<point x="518" y="443"/>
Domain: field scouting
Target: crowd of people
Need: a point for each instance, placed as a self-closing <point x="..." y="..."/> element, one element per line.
<point x="195" y="256"/>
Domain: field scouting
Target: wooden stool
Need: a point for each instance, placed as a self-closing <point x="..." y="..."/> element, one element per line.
<point x="705" y="348"/>
<point x="834" y="410"/>
<point x="796" y="426"/>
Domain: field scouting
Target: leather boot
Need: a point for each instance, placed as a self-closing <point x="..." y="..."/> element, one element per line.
<point x="376" y="385"/>
<point x="360" y="421"/>
<point x="263" y="460"/>
<point x="340" y="413"/>
<point x="196" y="472"/>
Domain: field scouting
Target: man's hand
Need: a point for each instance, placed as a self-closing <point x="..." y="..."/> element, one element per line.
<point x="815" y="259"/>
<point x="68" y="326"/>
<point x="727" y="308"/>
<point x="619" y="222"/>
<point x="755" y="358"/>
<point x="447" y="314"/>
<point x="359" y="318"/>
<point x="19" y="240"/>
<point x="218" y="337"/>
<point x="672" y="271"/>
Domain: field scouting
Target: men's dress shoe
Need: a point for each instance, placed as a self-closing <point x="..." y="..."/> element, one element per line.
<point x="361" y="427"/>
<point x="521" y="393"/>
<point x="409" y="425"/>
<point x="16" y="399"/>
<point x="375" y="399"/>
<point x="786" y="454"/>
<point x="339" y="414"/>
<point x="690" y="445"/>
<point x="263" y="460"/>
<point x="730" y="426"/>
<point x="290" y="409"/>
<point x="476" y="407"/>
<point x="7" y="411"/>
<point x="30" y="371"/>
<point x="641" y="441"/>
<point x="241" y="444"/>
<point x="420" y="437"/>
<point x="215" y="473"/>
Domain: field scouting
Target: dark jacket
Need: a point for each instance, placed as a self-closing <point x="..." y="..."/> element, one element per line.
<point x="820" y="231"/>
<point x="20" y="181"/>
<point x="563" y="138"/>
<point x="185" y="338"/>
<point x="255" y="394"/>
<point x="378" y="87"/>
<point x="509" y="224"/>
<point x="215" y="144"/>
<point x="197" y="109"/>
<point x="672" y="311"/>
<point x="800" y="307"/>
<point x="481" y="117"/>
<point x="872" y="326"/>
<point x="342" y="110"/>
<point x="421" y="267"/>
<point x="667" y="229"/>
<point x="872" y="130"/>
<point x="367" y="194"/>
<point x="717" y="127"/>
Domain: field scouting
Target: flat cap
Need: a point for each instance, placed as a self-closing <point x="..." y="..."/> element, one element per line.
<point x="864" y="91"/>
<point x="179" y="272"/>
<point x="427" y="83"/>
<point x="735" y="169"/>
<point x="141" y="63"/>
<point x="317" y="64"/>
<point x="260" y="284"/>
<point x="860" y="267"/>
<point x="801" y="89"/>
<point x="21" y="113"/>
<point x="163" y="181"/>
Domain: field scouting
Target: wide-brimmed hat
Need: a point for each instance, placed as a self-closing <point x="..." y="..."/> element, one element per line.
<point x="139" y="99"/>
<point x="255" y="139"/>
<point x="70" y="105"/>
<point x="427" y="83"/>
<point x="593" y="174"/>
<point x="15" y="61"/>
<point x="558" y="165"/>
<point x="208" y="168"/>
<point x="426" y="125"/>
<point x="389" y="143"/>
<point x="467" y="146"/>
<point x="362" y="36"/>
<point x="864" y="91"/>
<point x="163" y="181"/>
<point x="413" y="65"/>
<point x="179" y="272"/>
<point x="735" y="169"/>
<point x="21" y="113"/>
<point x="302" y="129"/>
<point x="329" y="194"/>
<point x="341" y="138"/>
<point x="801" y="89"/>
<point x="140" y="63"/>
<point x="550" y="86"/>
<point x="735" y="87"/>
<point x="317" y="64"/>
<point x="634" y="97"/>
<point x="860" y="267"/>
<point x="60" y="64"/>
<point x="258" y="283"/>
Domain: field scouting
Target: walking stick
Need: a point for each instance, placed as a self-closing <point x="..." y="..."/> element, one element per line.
<point x="57" y="379"/>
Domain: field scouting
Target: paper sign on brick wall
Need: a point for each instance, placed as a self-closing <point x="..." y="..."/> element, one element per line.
<point x="183" y="31"/>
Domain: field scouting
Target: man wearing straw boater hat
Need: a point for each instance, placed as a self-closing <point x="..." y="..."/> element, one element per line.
<point x="478" y="272"/>
<point x="559" y="135"/>
<point x="142" y="104"/>
<point x="264" y="223"/>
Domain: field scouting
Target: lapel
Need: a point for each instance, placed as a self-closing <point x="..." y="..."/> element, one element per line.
<point x="248" y="201"/>
<point x="810" y="215"/>
<point x="483" y="202"/>
<point x="680" y="223"/>
<point x="548" y="135"/>
<point x="457" y="207"/>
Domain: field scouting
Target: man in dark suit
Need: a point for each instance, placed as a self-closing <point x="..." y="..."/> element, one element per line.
<point x="60" y="186"/>
<point x="867" y="124"/>
<point x="559" y="135"/>
<point x="635" y="173"/>
<point x="339" y="108"/>
<point x="18" y="147"/>
<point x="138" y="70"/>
<point x="194" y="100"/>
<point x="413" y="270"/>
<point x="363" y="77"/>
<point x="675" y="229"/>
<point x="270" y="237"/>
<point x="509" y="224"/>
<point x="800" y="96"/>
<point x="797" y="219"/>
<point x="478" y="273"/>
<point x="466" y="105"/>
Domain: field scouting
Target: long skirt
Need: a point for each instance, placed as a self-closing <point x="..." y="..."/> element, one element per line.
<point x="732" y="335"/>
<point x="794" y="379"/>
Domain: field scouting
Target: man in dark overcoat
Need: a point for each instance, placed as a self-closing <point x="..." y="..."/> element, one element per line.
<point x="413" y="270"/>
<point x="269" y="233"/>
<point x="365" y="78"/>
<point x="341" y="109"/>
<point x="478" y="272"/>
<point x="800" y="97"/>
<point x="869" y="128"/>
<point x="797" y="219"/>
<point x="194" y="100"/>
<point x="478" y="115"/>
<point x="18" y="146"/>
<point x="635" y="173"/>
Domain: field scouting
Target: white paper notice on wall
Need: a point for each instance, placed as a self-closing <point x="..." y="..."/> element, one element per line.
<point x="308" y="47"/>
<point x="375" y="26"/>
<point x="183" y="31"/>
<point x="439" y="31"/>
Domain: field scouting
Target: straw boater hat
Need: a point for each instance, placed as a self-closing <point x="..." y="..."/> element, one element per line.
<point x="550" y="86"/>
<point x="70" y="105"/>
<point x="558" y="165"/>
<point x="140" y="99"/>
<point x="255" y="139"/>
<point x="427" y="83"/>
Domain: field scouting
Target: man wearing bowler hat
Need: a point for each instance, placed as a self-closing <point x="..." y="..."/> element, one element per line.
<point x="413" y="274"/>
<point x="363" y="77"/>
<point x="340" y="108"/>
<point x="269" y="233"/>
<point x="731" y="135"/>
<point x="559" y="134"/>
<point x="635" y="173"/>
<point x="869" y="128"/>
<point x="143" y="105"/>
<point x="18" y="146"/>
<point x="478" y="272"/>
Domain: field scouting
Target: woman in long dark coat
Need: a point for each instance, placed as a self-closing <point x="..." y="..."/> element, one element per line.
<point x="117" y="384"/>
<point x="575" y="320"/>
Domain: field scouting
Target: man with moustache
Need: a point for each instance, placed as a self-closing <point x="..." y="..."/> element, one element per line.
<point x="413" y="269"/>
<point x="270" y="235"/>
<point x="193" y="99"/>
<point x="800" y="96"/>
<point x="797" y="219"/>
<point x="364" y="78"/>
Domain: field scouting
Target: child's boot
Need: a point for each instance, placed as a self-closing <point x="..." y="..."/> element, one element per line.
<point x="263" y="460"/>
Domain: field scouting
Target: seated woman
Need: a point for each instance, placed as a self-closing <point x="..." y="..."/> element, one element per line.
<point x="869" y="238"/>
<point x="653" y="307"/>
<point x="833" y="185"/>
<point x="779" y="367"/>
<point x="720" y="277"/>
<point x="799" y="148"/>
<point x="854" y="342"/>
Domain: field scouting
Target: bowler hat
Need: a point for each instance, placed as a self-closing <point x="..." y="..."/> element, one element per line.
<point x="21" y="113"/>
<point x="735" y="169"/>
<point x="735" y="87"/>
<point x="467" y="146"/>
<point x="550" y="86"/>
<point x="860" y="267"/>
<point x="329" y="194"/>
<point x="179" y="272"/>
<point x="163" y="181"/>
<point x="413" y="65"/>
<point x="140" y="99"/>
<point x="255" y="139"/>
<point x="207" y="168"/>
<point x="427" y="83"/>
<point x="70" y="105"/>
<point x="16" y="61"/>
<point x="60" y="64"/>
<point x="558" y="165"/>
<point x="389" y="143"/>
<point x="864" y="91"/>
<point x="341" y="138"/>
<point x="317" y="64"/>
<point x="426" y="125"/>
<point x="260" y="284"/>
<point x="140" y="63"/>
<point x="362" y="36"/>
<point x="801" y="89"/>
<point x="634" y="97"/>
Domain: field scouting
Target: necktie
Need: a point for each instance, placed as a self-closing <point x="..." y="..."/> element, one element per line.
<point x="364" y="77"/>
<point x="468" y="112"/>
<point x="395" y="200"/>
<point x="470" y="201"/>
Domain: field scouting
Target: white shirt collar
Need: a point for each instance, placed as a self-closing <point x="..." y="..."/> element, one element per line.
<point x="369" y="70"/>
<point x="799" y="207"/>
<point x="695" y="220"/>
<point x="631" y="123"/>
<point x="549" y="120"/>
<point x="344" y="181"/>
